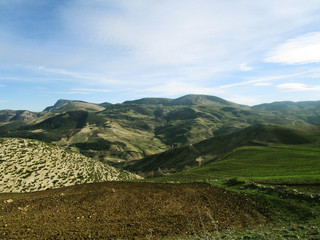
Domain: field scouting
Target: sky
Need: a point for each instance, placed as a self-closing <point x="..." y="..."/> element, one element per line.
<point x="246" y="51"/>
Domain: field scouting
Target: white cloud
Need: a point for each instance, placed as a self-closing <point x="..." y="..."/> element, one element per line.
<point x="244" y="67"/>
<point x="297" y="87"/>
<point x="174" y="88"/>
<point x="262" y="84"/>
<point x="245" y="100"/>
<point x="262" y="80"/>
<point x="90" y="90"/>
<point x="300" y="50"/>
<point x="3" y="101"/>
<point x="189" y="33"/>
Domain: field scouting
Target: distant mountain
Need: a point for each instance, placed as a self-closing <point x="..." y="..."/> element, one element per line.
<point x="29" y="165"/>
<point x="137" y="129"/>
<point x="294" y="113"/>
<point x="73" y="105"/>
<point x="105" y="104"/>
<point x="187" y="100"/>
<point x="200" y="100"/>
<point x="20" y="115"/>
<point x="150" y="101"/>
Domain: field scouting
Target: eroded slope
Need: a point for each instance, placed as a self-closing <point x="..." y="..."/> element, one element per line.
<point x="29" y="165"/>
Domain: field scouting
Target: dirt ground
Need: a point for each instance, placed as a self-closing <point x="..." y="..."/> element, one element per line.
<point x="122" y="210"/>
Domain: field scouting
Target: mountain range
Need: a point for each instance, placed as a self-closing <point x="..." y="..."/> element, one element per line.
<point x="152" y="133"/>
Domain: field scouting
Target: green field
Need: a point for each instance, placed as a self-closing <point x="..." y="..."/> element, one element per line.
<point x="277" y="165"/>
<point x="284" y="179"/>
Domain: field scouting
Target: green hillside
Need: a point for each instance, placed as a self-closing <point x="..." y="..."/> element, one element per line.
<point x="72" y="105"/>
<point x="196" y="154"/>
<point x="140" y="128"/>
<point x="277" y="165"/>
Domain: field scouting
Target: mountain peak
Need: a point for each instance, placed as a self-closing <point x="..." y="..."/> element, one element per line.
<point x="193" y="99"/>
<point x="148" y="101"/>
<point x="74" y="105"/>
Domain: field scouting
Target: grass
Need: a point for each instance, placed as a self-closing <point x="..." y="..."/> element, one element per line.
<point x="277" y="165"/>
<point x="284" y="179"/>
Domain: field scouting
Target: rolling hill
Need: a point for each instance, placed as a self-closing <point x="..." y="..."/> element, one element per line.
<point x="73" y="105"/>
<point x="140" y="128"/>
<point x="289" y="165"/>
<point x="196" y="154"/>
<point x="30" y="165"/>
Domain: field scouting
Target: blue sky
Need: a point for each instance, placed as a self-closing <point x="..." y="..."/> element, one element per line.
<point x="245" y="51"/>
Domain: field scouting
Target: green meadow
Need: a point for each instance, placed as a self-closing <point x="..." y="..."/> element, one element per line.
<point x="276" y="165"/>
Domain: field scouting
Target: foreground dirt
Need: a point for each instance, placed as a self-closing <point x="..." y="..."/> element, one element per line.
<point x="119" y="210"/>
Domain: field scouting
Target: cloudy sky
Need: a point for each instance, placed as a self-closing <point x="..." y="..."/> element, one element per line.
<point x="245" y="51"/>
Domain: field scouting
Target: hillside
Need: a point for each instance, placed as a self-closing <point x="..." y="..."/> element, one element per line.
<point x="73" y="105"/>
<point x="140" y="128"/>
<point x="30" y="165"/>
<point x="263" y="164"/>
<point x="20" y="115"/>
<point x="196" y="154"/>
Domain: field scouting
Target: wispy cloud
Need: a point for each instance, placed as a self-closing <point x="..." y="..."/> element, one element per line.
<point x="148" y="47"/>
<point x="300" y="50"/>
<point x="244" y="67"/>
<point x="175" y="88"/>
<point x="297" y="87"/>
<point x="262" y="80"/>
<point x="262" y="84"/>
<point x="71" y="75"/>
<point x="244" y="100"/>
<point x="90" y="90"/>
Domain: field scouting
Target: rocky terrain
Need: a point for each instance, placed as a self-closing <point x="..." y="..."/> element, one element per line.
<point x="30" y="165"/>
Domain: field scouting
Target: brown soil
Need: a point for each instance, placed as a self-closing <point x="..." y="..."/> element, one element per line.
<point x="119" y="210"/>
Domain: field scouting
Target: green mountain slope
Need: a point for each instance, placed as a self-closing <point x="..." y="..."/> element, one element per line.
<point x="268" y="164"/>
<point x="136" y="129"/>
<point x="294" y="113"/>
<point x="19" y="115"/>
<point x="196" y="154"/>
<point x="73" y="105"/>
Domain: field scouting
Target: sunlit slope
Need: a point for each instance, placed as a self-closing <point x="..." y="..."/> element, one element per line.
<point x="30" y="165"/>
<point x="69" y="105"/>
<point x="276" y="164"/>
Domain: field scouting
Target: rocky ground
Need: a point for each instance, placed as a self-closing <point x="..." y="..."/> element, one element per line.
<point x="29" y="165"/>
<point x="124" y="210"/>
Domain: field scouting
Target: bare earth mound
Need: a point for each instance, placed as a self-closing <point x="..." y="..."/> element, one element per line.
<point x="114" y="210"/>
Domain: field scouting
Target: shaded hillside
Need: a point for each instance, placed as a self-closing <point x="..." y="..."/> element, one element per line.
<point x="193" y="155"/>
<point x="19" y="115"/>
<point x="29" y="165"/>
<point x="296" y="112"/>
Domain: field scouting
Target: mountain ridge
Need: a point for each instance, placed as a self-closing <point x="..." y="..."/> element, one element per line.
<point x="137" y="129"/>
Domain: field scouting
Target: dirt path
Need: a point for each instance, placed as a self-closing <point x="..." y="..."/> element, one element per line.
<point x="114" y="210"/>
